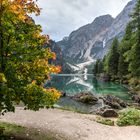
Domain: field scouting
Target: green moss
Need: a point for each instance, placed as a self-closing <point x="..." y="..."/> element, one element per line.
<point x="105" y="121"/>
<point x="8" y="130"/>
<point x="129" y="117"/>
<point x="11" y="127"/>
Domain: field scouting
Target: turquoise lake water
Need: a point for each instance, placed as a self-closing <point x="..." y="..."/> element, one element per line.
<point x="73" y="84"/>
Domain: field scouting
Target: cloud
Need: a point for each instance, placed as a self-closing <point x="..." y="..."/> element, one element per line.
<point x="60" y="17"/>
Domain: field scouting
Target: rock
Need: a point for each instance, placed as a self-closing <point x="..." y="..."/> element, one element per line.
<point x="113" y="105"/>
<point x="107" y="112"/>
<point x="123" y="104"/>
<point x="63" y="94"/>
<point x="134" y="105"/>
<point x="136" y="98"/>
<point x="114" y="102"/>
<point x="87" y="98"/>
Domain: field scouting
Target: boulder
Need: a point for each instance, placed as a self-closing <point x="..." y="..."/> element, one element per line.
<point x="113" y="105"/>
<point x="136" y="98"/>
<point x="107" y="112"/>
<point x="63" y="94"/>
<point x="114" y="102"/>
<point x="84" y="97"/>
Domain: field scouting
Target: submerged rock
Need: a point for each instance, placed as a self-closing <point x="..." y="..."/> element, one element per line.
<point x="107" y="112"/>
<point x="84" y="97"/>
<point x="114" y="102"/>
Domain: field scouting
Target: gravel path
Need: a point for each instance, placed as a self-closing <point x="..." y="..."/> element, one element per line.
<point x="70" y="126"/>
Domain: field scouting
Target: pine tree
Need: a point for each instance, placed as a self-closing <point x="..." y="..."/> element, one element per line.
<point x="122" y="66"/>
<point x="105" y="64"/>
<point x="98" y="67"/>
<point x="95" y="70"/>
<point x="124" y="47"/>
<point x="112" y="59"/>
<point x="134" y="66"/>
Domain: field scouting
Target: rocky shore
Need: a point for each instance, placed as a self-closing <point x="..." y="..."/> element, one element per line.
<point x="111" y="104"/>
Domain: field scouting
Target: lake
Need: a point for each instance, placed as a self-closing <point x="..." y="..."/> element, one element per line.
<point x="76" y="83"/>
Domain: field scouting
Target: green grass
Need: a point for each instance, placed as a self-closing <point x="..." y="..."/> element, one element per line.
<point x="105" y="121"/>
<point x="9" y="131"/>
<point x="11" y="127"/>
<point x="16" y="132"/>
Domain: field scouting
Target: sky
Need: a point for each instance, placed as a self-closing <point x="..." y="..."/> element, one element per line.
<point x="60" y="17"/>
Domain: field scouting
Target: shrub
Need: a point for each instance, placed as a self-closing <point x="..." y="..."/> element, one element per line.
<point x="129" y="117"/>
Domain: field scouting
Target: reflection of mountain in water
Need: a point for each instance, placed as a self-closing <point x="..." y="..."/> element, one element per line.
<point x="73" y="84"/>
<point x="81" y="80"/>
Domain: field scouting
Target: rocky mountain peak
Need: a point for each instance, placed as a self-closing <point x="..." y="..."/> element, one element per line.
<point x="93" y="40"/>
<point x="103" y="19"/>
<point x="119" y="24"/>
<point x="79" y="43"/>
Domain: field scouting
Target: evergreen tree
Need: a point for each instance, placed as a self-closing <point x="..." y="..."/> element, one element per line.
<point x="98" y="67"/>
<point x="95" y="70"/>
<point x="105" y="64"/>
<point x="124" y="47"/>
<point x="122" y="66"/>
<point x="126" y="59"/>
<point x="112" y="59"/>
<point x="134" y="66"/>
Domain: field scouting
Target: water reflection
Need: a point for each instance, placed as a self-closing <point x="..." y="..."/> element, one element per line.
<point x="73" y="84"/>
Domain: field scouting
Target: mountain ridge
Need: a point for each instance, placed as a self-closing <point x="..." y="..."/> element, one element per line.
<point x="93" y="40"/>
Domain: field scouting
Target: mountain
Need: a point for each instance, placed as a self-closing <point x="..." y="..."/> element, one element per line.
<point x="60" y="60"/>
<point x="79" y="44"/>
<point x="93" y="40"/>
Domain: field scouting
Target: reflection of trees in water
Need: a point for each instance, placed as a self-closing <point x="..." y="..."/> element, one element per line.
<point x="71" y="84"/>
<point x="96" y="85"/>
<point x="105" y="88"/>
<point x="75" y="84"/>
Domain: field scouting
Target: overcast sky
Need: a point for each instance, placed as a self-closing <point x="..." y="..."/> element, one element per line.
<point x="60" y="17"/>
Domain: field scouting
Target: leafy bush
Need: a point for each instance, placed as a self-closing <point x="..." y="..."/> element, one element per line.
<point x="39" y="97"/>
<point x="134" y="82"/>
<point x="129" y="117"/>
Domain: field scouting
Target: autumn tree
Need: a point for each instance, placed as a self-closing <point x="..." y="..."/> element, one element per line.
<point x="24" y="65"/>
